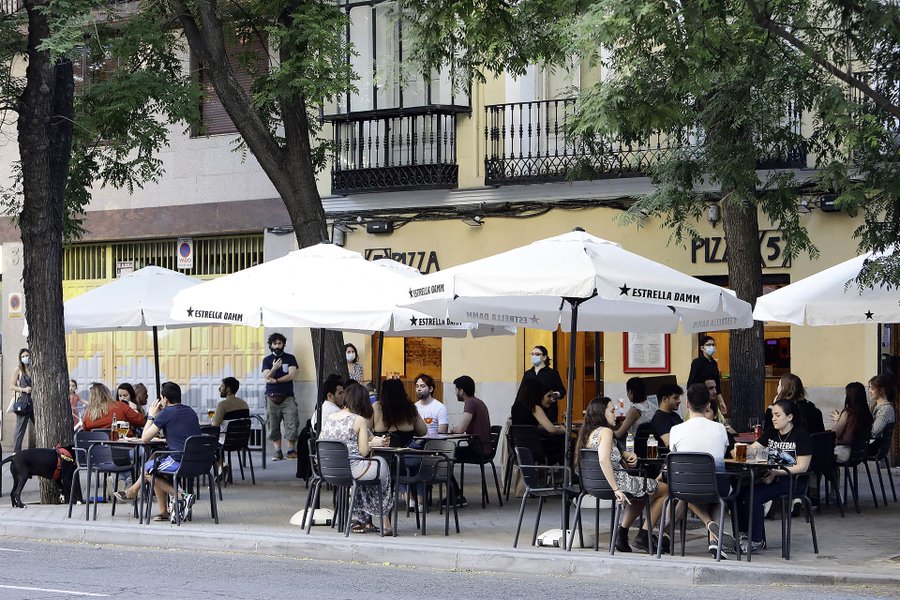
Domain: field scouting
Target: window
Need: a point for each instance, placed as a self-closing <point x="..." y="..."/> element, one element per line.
<point x="247" y="58"/>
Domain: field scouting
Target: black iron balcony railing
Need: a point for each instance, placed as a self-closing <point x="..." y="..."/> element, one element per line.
<point x="529" y="142"/>
<point x="394" y="149"/>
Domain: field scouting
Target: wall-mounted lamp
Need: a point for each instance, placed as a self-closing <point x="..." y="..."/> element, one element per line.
<point x="712" y="214"/>
<point x="828" y="203"/>
<point x="474" y="221"/>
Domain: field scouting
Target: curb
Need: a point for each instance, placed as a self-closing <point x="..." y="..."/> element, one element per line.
<point x="440" y="555"/>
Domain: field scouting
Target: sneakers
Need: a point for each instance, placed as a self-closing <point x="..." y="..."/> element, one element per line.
<point x="747" y="546"/>
<point x="291" y="455"/>
<point x="461" y="501"/>
<point x="713" y="549"/>
<point x="641" y="541"/>
<point x="189" y="500"/>
<point x="278" y="456"/>
<point x="622" y="540"/>
<point x="728" y="540"/>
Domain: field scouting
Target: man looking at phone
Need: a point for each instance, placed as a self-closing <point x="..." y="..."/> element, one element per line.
<point x="179" y="422"/>
<point x="279" y="369"/>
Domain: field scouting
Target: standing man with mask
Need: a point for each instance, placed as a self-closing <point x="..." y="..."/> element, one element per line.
<point x="278" y="370"/>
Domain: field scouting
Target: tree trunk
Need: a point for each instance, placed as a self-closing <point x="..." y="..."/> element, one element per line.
<point x="741" y="224"/>
<point x="45" y="145"/>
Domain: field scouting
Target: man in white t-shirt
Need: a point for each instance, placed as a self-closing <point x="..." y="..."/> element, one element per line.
<point x="699" y="434"/>
<point x="432" y="412"/>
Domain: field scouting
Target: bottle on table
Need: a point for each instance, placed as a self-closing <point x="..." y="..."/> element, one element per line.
<point x="629" y="443"/>
<point x="652" y="447"/>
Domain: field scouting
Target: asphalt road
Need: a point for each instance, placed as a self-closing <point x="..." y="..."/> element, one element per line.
<point x="39" y="570"/>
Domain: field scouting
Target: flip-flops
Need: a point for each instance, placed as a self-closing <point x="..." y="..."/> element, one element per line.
<point x="162" y="517"/>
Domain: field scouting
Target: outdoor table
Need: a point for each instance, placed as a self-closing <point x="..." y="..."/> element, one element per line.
<point x="444" y="436"/>
<point x="142" y="450"/>
<point x="752" y="468"/>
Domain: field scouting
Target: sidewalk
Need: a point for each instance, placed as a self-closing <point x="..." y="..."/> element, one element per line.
<point x="862" y="548"/>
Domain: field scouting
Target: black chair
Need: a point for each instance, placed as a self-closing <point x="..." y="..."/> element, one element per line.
<point x="823" y="464"/>
<point x="475" y="455"/>
<point x="593" y="483"/>
<point x="799" y="485"/>
<point x="693" y="479"/>
<point x="237" y="439"/>
<point x="858" y="452"/>
<point x="334" y="469"/>
<point x="197" y="460"/>
<point x="443" y="477"/>
<point x="434" y="468"/>
<point x="535" y="477"/>
<point x="314" y="479"/>
<point x="96" y="459"/>
<point x="523" y="436"/>
<point x="879" y="452"/>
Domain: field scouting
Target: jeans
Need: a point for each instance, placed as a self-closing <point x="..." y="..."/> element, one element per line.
<point x="762" y="493"/>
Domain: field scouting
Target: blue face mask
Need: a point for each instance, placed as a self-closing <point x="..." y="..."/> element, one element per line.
<point x="710" y="350"/>
<point x="536" y="360"/>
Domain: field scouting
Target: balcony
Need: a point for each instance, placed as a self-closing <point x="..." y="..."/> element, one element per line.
<point x="528" y="142"/>
<point x="395" y="149"/>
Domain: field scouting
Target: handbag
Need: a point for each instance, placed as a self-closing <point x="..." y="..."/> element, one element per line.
<point x="22" y="405"/>
<point x="276" y="399"/>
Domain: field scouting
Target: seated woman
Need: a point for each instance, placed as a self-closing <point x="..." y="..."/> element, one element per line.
<point x="853" y="425"/>
<point x="883" y="413"/>
<point x="641" y="410"/>
<point x="103" y="411"/>
<point x="351" y="425"/>
<point x="128" y="395"/>
<point x="597" y="432"/>
<point x="789" y="435"/>
<point x="528" y="409"/>
<point x="395" y="413"/>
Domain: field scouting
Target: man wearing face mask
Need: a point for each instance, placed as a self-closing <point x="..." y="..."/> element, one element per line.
<point x="278" y="370"/>
<point x="705" y="368"/>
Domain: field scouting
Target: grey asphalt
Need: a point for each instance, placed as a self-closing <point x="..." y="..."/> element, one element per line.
<point x="254" y="520"/>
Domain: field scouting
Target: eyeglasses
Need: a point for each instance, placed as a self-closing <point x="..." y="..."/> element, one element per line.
<point x="536" y="354"/>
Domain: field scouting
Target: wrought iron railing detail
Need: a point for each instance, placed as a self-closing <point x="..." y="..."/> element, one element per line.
<point x="395" y="149"/>
<point x="529" y="142"/>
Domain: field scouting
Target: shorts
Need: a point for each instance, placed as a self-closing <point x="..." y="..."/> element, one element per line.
<point x="168" y="465"/>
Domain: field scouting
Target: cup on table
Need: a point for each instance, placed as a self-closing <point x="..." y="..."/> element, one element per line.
<point x="740" y="452"/>
<point x="211" y="413"/>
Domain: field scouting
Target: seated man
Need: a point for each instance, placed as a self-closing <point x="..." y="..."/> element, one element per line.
<point x="702" y="434"/>
<point x="230" y="407"/>
<point x="333" y="389"/>
<point x="667" y="416"/>
<point x="179" y="423"/>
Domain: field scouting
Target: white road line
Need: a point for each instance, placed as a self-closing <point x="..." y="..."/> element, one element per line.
<point x="36" y="589"/>
<point x="11" y="550"/>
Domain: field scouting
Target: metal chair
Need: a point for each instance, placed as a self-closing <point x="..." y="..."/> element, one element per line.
<point x="97" y="459"/>
<point x="858" y="452"/>
<point x="823" y="464"/>
<point x="443" y="476"/>
<point x="693" y="479"/>
<point x="880" y="451"/>
<point x="237" y="439"/>
<point x="197" y="460"/>
<point x="535" y="487"/>
<point x="797" y="483"/>
<point x="334" y="468"/>
<point x="593" y="483"/>
<point x="477" y="456"/>
<point x="525" y="436"/>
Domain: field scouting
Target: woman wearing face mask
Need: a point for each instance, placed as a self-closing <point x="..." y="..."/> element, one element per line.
<point x="353" y="367"/>
<point x="548" y="377"/>
<point x="705" y="367"/>
<point x="21" y="387"/>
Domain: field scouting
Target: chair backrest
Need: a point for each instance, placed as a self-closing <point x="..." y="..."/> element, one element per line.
<point x="822" y="460"/>
<point x="85" y="439"/>
<point x="593" y="481"/>
<point x="496" y="433"/>
<point x="692" y="477"/>
<point x="334" y="462"/>
<point x="199" y="456"/>
<point x="213" y="430"/>
<point x="641" y="434"/>
<point x="313" y="457"/>
<point x="442" y="468"/>
<point x="237" y="435"/>
<point x="528" y="436"/>
<point x="531" y="476"/>
<point x="238" y="413"/>
<point x="883" y="443"/>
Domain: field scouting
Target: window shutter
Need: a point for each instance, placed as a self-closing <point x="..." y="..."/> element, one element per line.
<point x="214" y="119"/>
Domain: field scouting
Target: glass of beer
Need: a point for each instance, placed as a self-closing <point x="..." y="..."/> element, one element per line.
<point x="122" y="429"/>
<point x="740" y="452"/>
<point x="652" y="451"/>
<point x="210" y="413"/>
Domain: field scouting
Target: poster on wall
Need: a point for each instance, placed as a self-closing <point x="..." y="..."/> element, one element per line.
<point x="646" y="352"/>
<point x="14" y="305"/>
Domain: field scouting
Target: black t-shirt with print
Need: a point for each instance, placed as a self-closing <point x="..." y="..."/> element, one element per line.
<point x="795" y="442"/>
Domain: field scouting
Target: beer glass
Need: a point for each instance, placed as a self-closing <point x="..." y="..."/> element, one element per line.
<point x="740" y="452"/>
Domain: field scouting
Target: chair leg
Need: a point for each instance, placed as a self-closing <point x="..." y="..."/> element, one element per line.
<point x="116" y="487"/>
<point x="614" y="527"/>
<point x="871" y="483"/>
<point x="835" y="478"/>
<point x="519" y="523"/>
<point x="350" y="511"/>
<point x="497" y="484"/>
<point x="75" y="476"/>
<point x="250" y="461"/>
<point x="213" y="507"/>
<point x="484" y="493"/>
<point x="241" y="463"/>
<point x="537" y="520"/>
<point x="662" y="525"/>
<point x="807" y="505"/>
<point x="887" y="466"/>
<point x="314" y="491"/>
<point x="721" y="529"/>
<point x="577" y="523"/>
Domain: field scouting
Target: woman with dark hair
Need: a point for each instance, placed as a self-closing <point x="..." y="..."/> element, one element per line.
<point x="21" y="385"/>
<point x="883" y="411"/>
<point x="705" y="368"/>
<point x="394" y="411"/>
<point x="597" y="432"/>
<point x="853" y="425"/>
<point x="786" y="435"/>
<point x="790" y="387"/>
<point x="102" y="411"/>
<point x="641" y="410"/>
<point x="528" y="409"/>
<point x="127" y="394"/>
<point x="353" y="365"/>
<point x="351" y="425"/>
<point x="549" y="378"/>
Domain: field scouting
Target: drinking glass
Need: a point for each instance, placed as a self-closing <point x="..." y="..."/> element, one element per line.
<point x="740" y="452"/>
<point x="211" y="413"/>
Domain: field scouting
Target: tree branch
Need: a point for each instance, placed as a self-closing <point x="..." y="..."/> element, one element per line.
<point x="880" y="100"/>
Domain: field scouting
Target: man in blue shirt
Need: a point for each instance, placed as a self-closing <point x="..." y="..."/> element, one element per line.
<point x="279" y="369"/>
<point x="179" y="422"/>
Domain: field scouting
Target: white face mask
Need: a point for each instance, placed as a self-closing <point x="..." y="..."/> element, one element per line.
<point x="710" y="350"/>
<point x="351" y="357"/>
<point x="537" y="360"/>
<point x="26" y="360"/>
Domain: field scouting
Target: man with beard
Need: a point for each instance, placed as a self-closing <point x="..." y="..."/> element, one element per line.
<point x="432" y="412"/>
<point x="278" y="370"/>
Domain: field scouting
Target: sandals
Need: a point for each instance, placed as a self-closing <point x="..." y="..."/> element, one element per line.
<point x="162" y="517"/>
<point x="363" y="528"/>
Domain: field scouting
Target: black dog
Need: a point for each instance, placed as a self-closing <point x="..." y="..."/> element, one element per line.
<point x="57" y="464"/>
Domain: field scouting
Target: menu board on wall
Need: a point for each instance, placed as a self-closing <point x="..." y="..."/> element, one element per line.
<point x="646" y="352"/>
